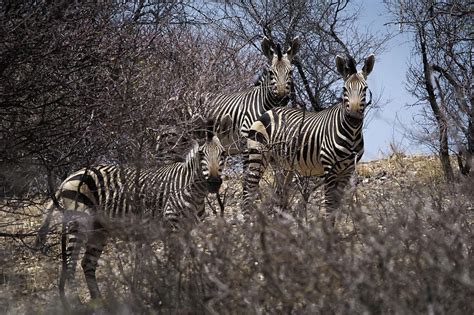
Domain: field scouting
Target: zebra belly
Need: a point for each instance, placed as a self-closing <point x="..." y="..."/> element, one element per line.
<point x="301" y="167"/>
<point x="313" y="170"/>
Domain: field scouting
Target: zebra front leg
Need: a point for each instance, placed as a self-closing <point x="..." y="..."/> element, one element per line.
<point x="253" y="170"/>
<point x="333" y="193"/>
<point x="97" y="239"/>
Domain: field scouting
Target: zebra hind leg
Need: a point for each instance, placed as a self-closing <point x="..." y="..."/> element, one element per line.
<point x="97" y="239"/>
<point x="72" y="242"/>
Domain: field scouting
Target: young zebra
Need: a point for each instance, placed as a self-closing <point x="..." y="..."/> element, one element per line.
<point x="97" y="202"/>
<point x="272" y="89"/>
<point x="326" y="143"/>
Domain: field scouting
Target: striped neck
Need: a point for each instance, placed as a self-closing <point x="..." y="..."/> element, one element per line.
<point x="270" y="99"/>
<point x="195" y="182"/>
<point x="192" y="165"/>
<point x="349" y="123"/>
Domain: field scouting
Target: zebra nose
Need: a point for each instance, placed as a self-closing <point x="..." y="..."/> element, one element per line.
<point x="281" y="90"/>
<point x="214" y="183"/>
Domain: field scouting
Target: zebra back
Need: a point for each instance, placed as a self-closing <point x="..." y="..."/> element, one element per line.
<point x="116" y="191"/>
<point x="272" y="90"/>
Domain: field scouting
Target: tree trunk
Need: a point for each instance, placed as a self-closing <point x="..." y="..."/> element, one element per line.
<point x="312" y="98"/>
<point x="444" y="153"/>
<point x="466" y="153"/>
<point x="470" y="142"/>
<point x="438" y="114"/>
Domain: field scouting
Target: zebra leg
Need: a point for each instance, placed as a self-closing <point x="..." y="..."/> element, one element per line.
<point x="254" y="167"/>
<point x="74" y="241"/>
<point x="171" y="216"/>
<point x="333" y="194"/>
<point x="97" y="239"/>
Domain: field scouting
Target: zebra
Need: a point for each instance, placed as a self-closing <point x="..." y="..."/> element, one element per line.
<point x="96" y="200"/>
<point x="327" y="143"/>
<point x="272" y="89"/>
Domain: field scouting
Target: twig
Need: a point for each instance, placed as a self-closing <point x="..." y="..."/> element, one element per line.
<point x="17" y="235"/>
<point x="221" y="202"/>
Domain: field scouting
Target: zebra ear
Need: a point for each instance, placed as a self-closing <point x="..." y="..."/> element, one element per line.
<point x="345" y="66"/>
<point x="341" y="66"/>
<point x="225" y="126"/>
<point x="295" y="46"/>
<point x="368" y="65"/>
<point x="199" y="129"/>
<point x="267" y="47"/>
<point x="210" y="129"/>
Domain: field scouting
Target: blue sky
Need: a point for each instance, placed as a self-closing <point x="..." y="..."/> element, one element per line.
<point x="389" y="123"/>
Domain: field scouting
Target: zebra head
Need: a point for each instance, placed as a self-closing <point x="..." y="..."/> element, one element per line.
<point x="355" y="85"/>
<point x="212" y="159"/>
<point x="279" y="71"/>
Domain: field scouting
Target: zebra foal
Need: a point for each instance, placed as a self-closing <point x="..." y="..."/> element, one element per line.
<point x="100" y="202"/>
<point x="326" y="143"/>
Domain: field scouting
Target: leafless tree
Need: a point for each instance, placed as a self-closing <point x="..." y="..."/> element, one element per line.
<point x="440" y="74"/>
<point x="82" y="84"/>
<point x="325" y="28"/>
<point x="109" y="81"/>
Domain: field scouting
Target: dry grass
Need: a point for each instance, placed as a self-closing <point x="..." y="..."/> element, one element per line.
<point x="403" y="245"/>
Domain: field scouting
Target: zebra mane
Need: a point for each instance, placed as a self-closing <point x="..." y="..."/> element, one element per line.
<point x="260" y="78"/>
<point x="278" y="51"/>
<point x="192" y="153"/>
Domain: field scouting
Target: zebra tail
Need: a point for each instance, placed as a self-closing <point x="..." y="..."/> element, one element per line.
<point x="40" y="243"/>
<point x="62" y="279"/>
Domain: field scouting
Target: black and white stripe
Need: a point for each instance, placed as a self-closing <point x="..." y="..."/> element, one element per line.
<point x="96" y="201"/>
<point x="245" y="107"/>
<point x="326" y="143"/>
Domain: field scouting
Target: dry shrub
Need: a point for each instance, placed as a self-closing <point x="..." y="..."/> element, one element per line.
<point x="402" y="247"/>
<point x="406" y="252"/>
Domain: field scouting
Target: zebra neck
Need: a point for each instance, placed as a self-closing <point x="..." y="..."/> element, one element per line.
<point x="196" y="186"/>
<point x="192" y="169"/>
<point x="350" y="124"/>
<point x="270" y="100"/>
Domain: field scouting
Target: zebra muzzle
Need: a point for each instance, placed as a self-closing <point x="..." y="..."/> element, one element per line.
<point x="281" y="90"/>
<point x="213" y="184"/>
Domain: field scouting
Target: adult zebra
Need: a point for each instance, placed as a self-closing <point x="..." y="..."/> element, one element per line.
<point x="326" y="143"/>
<point x="99" y="202"/>
<point x="272" y="89"/>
